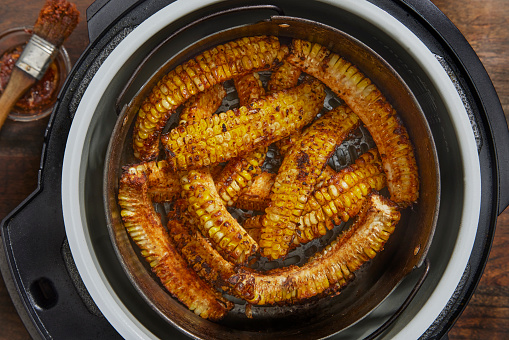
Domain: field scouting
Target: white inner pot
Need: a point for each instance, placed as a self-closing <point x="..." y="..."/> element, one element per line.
<point x="93" y="103"/>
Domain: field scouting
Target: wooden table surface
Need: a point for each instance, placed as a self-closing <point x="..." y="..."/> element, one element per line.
<point x="485" y="24"/>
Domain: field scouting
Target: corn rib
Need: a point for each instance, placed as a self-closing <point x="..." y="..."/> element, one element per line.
<point x="285" y="76"/>
<point x="297" y="177"/>
<point x="236" y="132"/>
<point x="256" y="196"/>
<point x="341" y="197"/>
<point x="212" y="67"/>
<point x="328" y="271"/>
<point x="198" y="252"/>
<point x="238" y="174"/>
<point x="366" y="100"/>
<point x="144" y="227"/>
<point x="213" y="220"/>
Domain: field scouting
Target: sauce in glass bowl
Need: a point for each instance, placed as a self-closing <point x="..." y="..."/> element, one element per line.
<point x="41" y="95"/>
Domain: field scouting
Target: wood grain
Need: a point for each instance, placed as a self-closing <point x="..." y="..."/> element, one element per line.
<point x="485" y="25"/>
<point x="483" y="22"/>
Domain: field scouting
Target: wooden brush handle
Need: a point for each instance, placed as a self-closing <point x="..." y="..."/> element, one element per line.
<point x="18" y="84"/>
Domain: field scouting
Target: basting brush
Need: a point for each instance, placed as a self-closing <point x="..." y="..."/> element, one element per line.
<point x="55" y="23"/>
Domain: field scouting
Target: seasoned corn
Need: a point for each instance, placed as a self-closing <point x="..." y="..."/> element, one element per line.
<point x="297" y="177"/>
<point x="366" y="100"/>
<point x="341" y="197"/>
<point x="213" y="220"/>
<point x="212" y="67"/>
<point x="144" y="227"/>
<point x="203" y="105"/>
<point x="327" y="272"/>
<point x="237" y="132"/>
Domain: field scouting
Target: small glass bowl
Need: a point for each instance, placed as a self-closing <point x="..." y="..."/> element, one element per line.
<point x="14" y="37"/>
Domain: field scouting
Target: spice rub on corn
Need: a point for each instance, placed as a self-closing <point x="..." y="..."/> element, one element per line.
<point x="341" y="196"/>
<point x="237" y="132"/>
<point x="328" y="271"/>
<point x="144" y="226"/>
<point x="197" y="250"/>
<point x="212" y="218"/>
<point x="366" y="100"/>
<point x="297" y="176"/>
<point x="212" y="67"/>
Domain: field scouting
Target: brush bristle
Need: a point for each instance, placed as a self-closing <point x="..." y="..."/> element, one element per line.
<point x="56" y="21"/>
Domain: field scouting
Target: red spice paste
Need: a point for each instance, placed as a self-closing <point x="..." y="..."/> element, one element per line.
<point x="38" y="97"/>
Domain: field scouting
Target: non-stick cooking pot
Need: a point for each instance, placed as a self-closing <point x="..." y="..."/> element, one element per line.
<point x="85" y="280"/>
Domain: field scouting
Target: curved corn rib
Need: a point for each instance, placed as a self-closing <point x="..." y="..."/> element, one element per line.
<point x="377" y="114"/>
<point x="297" y="177"/>
<point x="144" y="227"/>
<point x="163" y="184"/>
<point x="213" y="220"/>
<point x="212" y="67"/>
<point x="198" y="252"/>
<point x="238" y="174"/>
<point x="327" y="272"/>
<point x="236" y="132"/>
<point x="203" y="105"/>
<point x="341" y="197"/>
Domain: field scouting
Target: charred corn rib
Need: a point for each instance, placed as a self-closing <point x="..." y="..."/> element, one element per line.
<point x="365" y="99"/>
<point x="285" y="76"/>
<point x="256" y="196"/>
<point x="144" y="227"/>
<point x="238" y="174"/>
<point x="212" y="67"/>
<point x="241" y="171"/>
<point x="337" y="196"/>
<point x="341" y="197"/>
<point x="249" y="88"/>
<point x="213" y="220"/>
<point x="237" y="132"/>
<point x="199" y="253"/>
<point x="163" y="183"/>
<point x="329" y="271"/>
<point x="203" y="105"/>
<point x="297" y="176"/>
